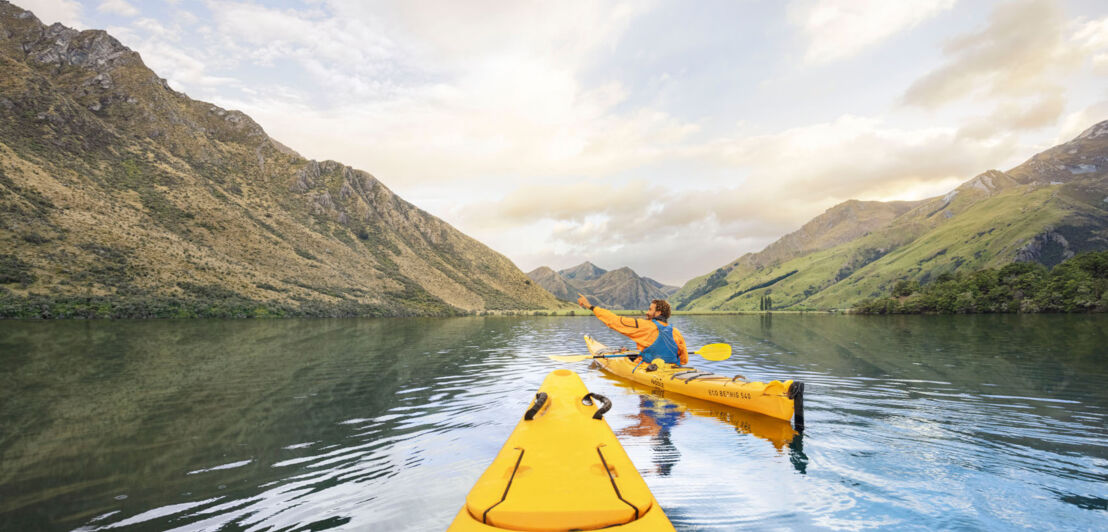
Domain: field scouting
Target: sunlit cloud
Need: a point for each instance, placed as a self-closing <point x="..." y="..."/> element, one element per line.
<point x="1039" y="112"/>
<point x="118" y="7"/>
<point x="1023" y="51"/>
<point x="838" y="29"/>
<point x="68" y="12"/>
<point x="1077" y="122"/>
<point x="789" y="177"/>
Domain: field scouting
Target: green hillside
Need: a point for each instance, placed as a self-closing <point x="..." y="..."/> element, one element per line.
<point x="1046" y="210"/>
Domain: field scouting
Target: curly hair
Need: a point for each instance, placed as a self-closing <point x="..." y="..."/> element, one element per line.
<point x="662" y="307"/>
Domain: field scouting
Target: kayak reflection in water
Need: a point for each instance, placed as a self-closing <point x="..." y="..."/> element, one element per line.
<point x="654" y="337"/>
<point x="655" y="419"/>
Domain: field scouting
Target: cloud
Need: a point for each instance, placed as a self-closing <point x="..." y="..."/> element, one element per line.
<point x="788" y="177"/>
<point x="1092" y="36"/>
<point x="181" y="69"/>
<point x="1022" y="52"/>
<point x="1010" y="117"/>
<point x="852" y="157"/>
<point x="490" y="92"/>
<point x="119" y="7"/>
<point x="67" y="12"/>
<point x="840" y="29"/>
<point x="343" y="51"/>
<point x="1078" y="121"/>
<point x="449" y="34"/>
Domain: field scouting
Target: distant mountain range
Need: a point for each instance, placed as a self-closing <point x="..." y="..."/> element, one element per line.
<point x="114" y="188"/>
<point x="621" y="289"/>
<point x="1044" y="210"/>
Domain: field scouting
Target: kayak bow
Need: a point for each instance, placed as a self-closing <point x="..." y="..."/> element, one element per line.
<point x="562" y="468"/>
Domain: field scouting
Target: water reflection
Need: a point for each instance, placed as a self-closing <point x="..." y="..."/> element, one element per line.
<point x="778" y="432"/>
<point x="982" y="422"/>
<point x="660" y="412"/>
<point x="655" y="420"/>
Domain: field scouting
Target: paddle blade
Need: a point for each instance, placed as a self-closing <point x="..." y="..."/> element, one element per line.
<point x="715" y="352"/>
<point x="569" y="358"/>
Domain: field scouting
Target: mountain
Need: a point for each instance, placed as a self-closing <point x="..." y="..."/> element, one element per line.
<point x="554" y="283"/>
<point x="586" y="271"/>
<point x="1045" y="210"/>
<point x="121" y="196"/>
<point x="621" y="289"/>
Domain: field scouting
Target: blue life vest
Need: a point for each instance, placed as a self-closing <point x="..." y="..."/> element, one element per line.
<point x="664" y="347"/>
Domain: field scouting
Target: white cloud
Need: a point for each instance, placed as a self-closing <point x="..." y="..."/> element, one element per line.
<point x="1011" y="116"/>
<point x="838" y="29"/>
<point x="118" y="7"/>
<point x="1024" y="51"/>
<point x="185" y="17"/>
<point x="851" y="157"/>
<point x="490" y="92"/>
<point x="67" y="12"/>
<point x="183" y="71"/>
<point x="1078" y="121"/>
<point x="450" y="34"/>
<point x="349" y="54"/>
<point x="789" y="177"/>
<point x="1092" y="37"/>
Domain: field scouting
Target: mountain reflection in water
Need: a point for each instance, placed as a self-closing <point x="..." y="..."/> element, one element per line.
<point x="936" y="422"/>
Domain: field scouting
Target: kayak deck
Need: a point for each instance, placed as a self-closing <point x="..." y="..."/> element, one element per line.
<point x="562" y="468"/>
<point x="776" y="399"/>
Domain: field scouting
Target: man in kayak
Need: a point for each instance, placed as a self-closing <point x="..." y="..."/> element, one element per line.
<point x="653" y="336"/>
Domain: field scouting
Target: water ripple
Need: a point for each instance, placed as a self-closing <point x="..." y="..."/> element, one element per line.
<point x="926" y="423"/>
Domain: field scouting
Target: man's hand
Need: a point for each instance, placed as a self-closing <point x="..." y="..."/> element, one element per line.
<point x="583" y="301"/>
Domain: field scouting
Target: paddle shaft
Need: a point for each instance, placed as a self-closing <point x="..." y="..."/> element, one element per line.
<point x="709" y="352"/>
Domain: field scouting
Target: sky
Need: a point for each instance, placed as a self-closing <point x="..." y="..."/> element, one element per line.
<point x="671" y="137"/>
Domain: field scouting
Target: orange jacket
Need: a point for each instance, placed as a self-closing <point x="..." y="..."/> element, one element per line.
<point x="642" y="331"/>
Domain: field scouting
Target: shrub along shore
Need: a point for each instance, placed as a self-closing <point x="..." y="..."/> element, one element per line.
<point x="1077" y="285"/>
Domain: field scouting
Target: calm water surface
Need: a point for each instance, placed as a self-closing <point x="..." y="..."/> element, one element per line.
<point x="917" y="422"/>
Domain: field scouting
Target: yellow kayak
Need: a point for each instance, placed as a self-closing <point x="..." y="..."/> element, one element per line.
<point x="775" y="399"/>
<point x="562" y="468"/>
<point x="778" y="432"/>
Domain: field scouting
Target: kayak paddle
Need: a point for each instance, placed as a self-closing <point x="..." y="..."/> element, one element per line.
<point x="715" y="352"/>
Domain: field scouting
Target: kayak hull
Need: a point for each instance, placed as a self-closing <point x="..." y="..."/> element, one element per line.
<point x="562" y="468"/>
<point x="778" y="432"/>
<point x="775" y="399"/>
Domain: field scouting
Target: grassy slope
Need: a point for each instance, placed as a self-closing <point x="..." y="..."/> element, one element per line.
<point x="1053" y="205"/>
<point x="984" y="235"/>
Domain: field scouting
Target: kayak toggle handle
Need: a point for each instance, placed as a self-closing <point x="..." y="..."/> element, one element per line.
<point x="540" y="399"/>
<point x="587" y="400"/>
<point x="796" y="393"/>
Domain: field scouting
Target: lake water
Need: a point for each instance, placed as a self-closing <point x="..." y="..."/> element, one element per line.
<point x="913" y="422"/>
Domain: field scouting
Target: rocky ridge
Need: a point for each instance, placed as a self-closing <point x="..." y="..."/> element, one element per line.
<point x="120" y="196"/>
<point x="620" y="289"/>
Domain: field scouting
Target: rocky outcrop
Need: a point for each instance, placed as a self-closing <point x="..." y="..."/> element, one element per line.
<point x="1049" y="248"/>
<point x="94" y="49"/>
